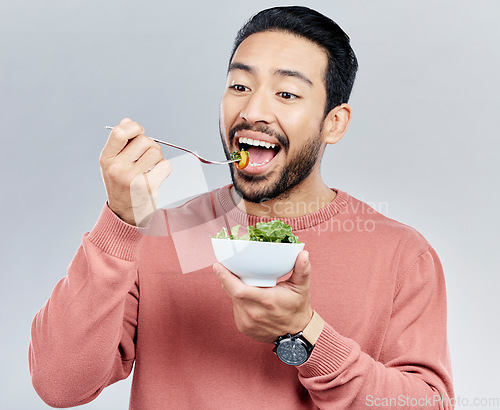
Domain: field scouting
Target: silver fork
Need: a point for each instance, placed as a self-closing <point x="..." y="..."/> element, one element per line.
<point x="205" y="161"/>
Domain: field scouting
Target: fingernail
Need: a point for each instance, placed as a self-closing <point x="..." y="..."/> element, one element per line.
<point x="216" y="268"/>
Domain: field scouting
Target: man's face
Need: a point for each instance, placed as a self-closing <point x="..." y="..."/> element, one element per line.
<point x="273" y="106"/>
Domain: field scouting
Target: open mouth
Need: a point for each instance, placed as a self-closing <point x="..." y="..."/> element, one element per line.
<point x="260" y="152"/>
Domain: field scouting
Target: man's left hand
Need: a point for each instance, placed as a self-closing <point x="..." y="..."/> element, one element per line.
<point x="265" y="314"/>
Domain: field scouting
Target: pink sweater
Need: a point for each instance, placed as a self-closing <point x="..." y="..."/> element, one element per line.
<point x="152" y="298"/>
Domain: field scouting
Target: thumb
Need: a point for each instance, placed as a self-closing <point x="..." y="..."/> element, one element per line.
<point x="124" y="120"/>
<point x="301" y="270"/>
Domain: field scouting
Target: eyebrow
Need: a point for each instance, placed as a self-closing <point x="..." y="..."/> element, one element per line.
<point x="241" y="66"/>
<point x="280" y="72"/>
<point x="295" y="74"/>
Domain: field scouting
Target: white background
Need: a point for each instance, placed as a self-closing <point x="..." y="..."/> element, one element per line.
<point x="422" y="146"/>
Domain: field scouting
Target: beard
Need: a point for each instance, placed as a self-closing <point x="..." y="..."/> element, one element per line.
<point x="261" y="188"/>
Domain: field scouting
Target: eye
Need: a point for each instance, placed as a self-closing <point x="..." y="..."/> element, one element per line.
<point x="288" y="96"/>
<point x="239" y="88"/>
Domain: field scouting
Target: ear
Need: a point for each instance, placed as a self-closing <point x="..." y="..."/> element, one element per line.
<point x="336" y="123"/>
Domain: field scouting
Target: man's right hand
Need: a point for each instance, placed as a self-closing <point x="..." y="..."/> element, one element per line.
<point x="133" y="169"/>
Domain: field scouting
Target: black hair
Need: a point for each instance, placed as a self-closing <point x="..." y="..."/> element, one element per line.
<point x="314" y="26"/>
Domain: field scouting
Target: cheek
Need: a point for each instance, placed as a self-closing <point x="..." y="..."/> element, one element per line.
<point x="228" y="114"/>
<point x="300" y="126"/>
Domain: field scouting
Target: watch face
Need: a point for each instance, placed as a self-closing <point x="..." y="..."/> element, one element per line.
<point x="292" y="352"/>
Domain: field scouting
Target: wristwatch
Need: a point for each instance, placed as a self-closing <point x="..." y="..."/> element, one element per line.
<point x="296" y="349"/>
<point x="293" y="349"/>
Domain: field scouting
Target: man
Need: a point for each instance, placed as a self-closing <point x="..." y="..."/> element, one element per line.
<point x="365" y="303"/>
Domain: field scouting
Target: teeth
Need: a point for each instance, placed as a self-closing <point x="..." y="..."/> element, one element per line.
<point x="253" y="164"/>
<point x="256" y="143"/>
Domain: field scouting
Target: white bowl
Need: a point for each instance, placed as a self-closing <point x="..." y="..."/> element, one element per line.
<point x="257" y="263"/>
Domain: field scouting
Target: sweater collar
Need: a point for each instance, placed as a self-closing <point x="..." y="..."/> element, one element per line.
<point x="297" y="223"/>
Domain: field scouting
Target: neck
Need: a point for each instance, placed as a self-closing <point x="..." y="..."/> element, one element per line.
<point x="306" y="198"/>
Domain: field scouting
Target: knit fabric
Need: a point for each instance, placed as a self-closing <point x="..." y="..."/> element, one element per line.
<point x="150" y="297"/>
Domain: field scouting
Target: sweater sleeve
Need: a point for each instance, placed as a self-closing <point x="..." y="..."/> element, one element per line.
<point x="414" y="368"/>
<point x="82" y="339"/>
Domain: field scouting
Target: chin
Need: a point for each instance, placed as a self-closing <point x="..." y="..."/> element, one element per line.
<point x="258" y="189"/>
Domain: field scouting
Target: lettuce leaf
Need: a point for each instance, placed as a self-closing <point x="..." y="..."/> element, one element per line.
<point x="273" y="231"/>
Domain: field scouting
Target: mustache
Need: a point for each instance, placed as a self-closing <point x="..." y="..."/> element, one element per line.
<point x="264" y="129"/>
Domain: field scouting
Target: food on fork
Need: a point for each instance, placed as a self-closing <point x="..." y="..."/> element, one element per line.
<point x="242" y="156"/>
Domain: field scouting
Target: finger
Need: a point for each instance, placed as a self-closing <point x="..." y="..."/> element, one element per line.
<point x="301" y="270"/>
<point x="159" y="173"/>
<point x="124" y="120"/>
<point x="119" y="137"/>
<point x="234" y="287"/>
<point x="148" y="160"/>
<point x="136" y="148"/>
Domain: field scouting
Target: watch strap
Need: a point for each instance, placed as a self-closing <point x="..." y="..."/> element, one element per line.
<point x="314" y="328"/>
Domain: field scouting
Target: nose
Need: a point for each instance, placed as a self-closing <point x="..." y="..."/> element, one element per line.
<point x="257" y="108"/>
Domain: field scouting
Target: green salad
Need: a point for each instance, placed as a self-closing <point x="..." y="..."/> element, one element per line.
<point x="274" y="231"/>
